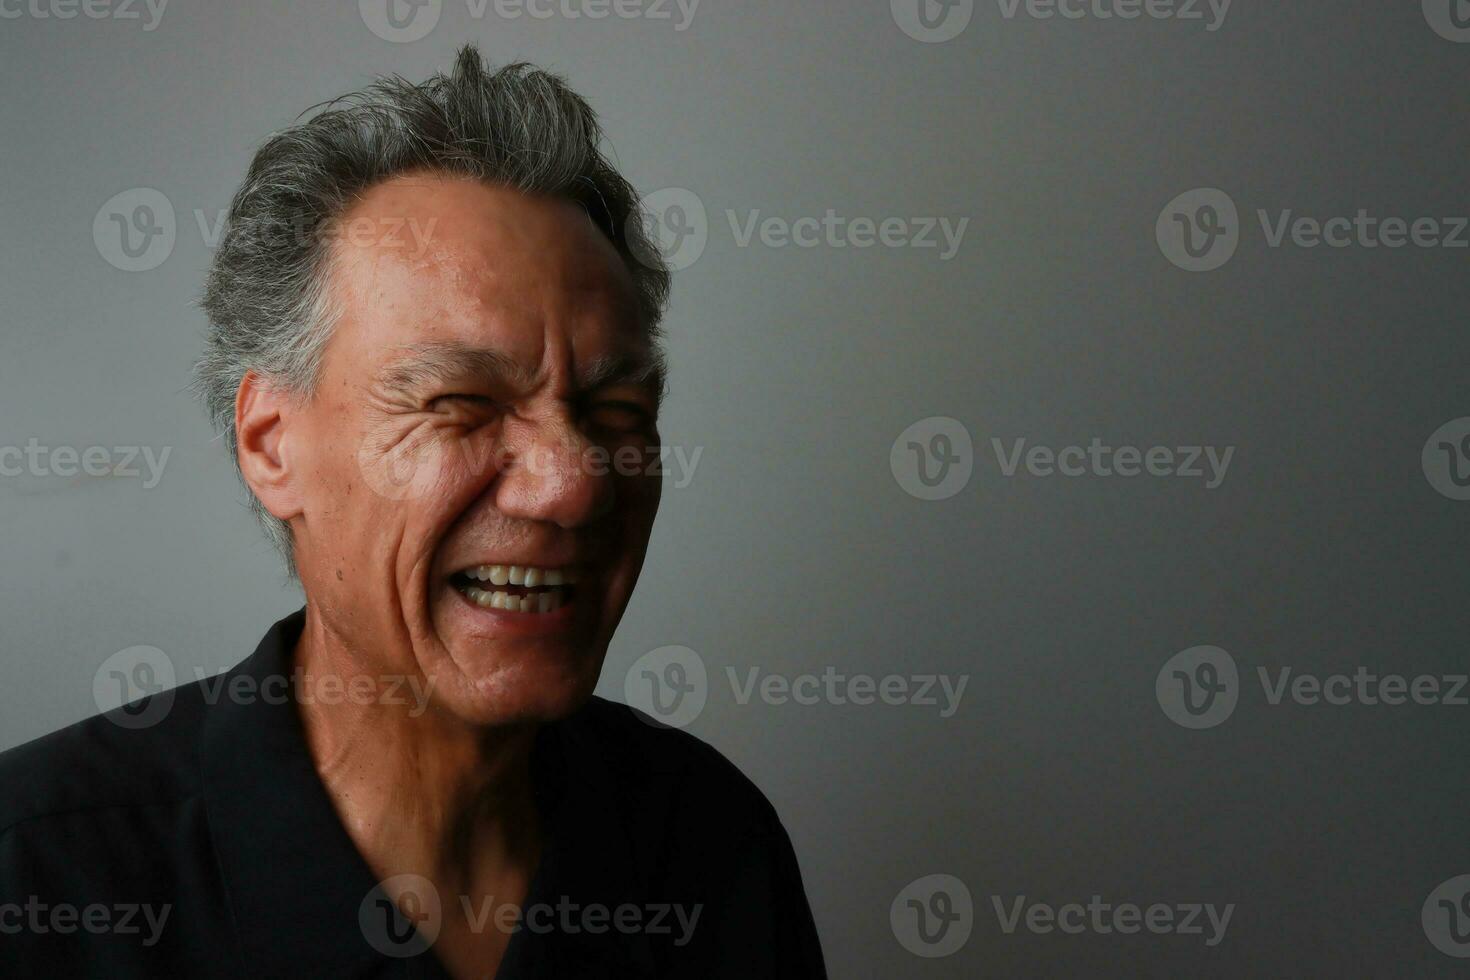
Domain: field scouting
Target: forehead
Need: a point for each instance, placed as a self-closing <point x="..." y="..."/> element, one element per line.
<point x="427" y="259"/>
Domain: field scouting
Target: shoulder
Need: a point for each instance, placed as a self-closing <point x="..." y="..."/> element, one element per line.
<point x="699" y="834"/>
<point x="661" y="769"/>
<point x="142" y="754"/>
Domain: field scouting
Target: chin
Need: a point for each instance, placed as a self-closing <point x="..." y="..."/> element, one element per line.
<point x="508" y="667"/>
<point x="532" y="684"/>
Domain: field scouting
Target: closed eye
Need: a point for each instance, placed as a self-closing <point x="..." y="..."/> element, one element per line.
<point x="473" y="399"/>
<point x="619" y="416"/>
<point x="477" y="406"/>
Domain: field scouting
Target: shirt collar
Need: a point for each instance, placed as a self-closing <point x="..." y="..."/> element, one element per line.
<point x="296" y="882"/>
<point x="294" y="879"/>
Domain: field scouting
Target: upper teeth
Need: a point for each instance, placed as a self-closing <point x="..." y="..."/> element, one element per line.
<point x="525" y="575"/>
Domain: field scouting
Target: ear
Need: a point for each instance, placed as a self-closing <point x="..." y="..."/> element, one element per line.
<point x="261" y="417"/>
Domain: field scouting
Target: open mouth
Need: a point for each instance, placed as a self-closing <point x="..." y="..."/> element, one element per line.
<point x="516" y="588"/>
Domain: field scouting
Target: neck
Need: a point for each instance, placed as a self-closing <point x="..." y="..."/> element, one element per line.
<point x="419" y="791"/>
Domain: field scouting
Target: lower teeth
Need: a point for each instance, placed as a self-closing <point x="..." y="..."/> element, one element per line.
<point x="536" y="602"/>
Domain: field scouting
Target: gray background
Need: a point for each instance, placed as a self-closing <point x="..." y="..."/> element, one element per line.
<point x="795" y="547"/>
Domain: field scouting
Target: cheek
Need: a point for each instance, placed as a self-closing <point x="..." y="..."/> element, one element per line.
<point x="637" y="504"/>
<point x="423" y="463"/>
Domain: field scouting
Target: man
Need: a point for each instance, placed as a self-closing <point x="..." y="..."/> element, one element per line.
<point x="432" y="354"/>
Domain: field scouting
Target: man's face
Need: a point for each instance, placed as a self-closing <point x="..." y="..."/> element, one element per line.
<point x="460" y="455"/>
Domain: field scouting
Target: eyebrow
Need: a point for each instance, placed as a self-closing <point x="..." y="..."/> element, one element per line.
<point x="643" y="369"/>
<point x="428" y="364"/>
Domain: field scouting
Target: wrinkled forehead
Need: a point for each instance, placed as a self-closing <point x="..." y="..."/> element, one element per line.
<point x="425" y="259"/>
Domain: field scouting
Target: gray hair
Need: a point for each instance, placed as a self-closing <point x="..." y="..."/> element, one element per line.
<point x="266" y="294"/>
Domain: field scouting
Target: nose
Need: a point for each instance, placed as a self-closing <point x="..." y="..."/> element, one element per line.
<point x="550" y="473"/>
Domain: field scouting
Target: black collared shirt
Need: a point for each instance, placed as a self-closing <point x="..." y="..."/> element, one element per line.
<point x="204" y="845"/>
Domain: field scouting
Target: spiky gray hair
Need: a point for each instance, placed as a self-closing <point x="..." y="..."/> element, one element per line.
<point x="266" y="295"/>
